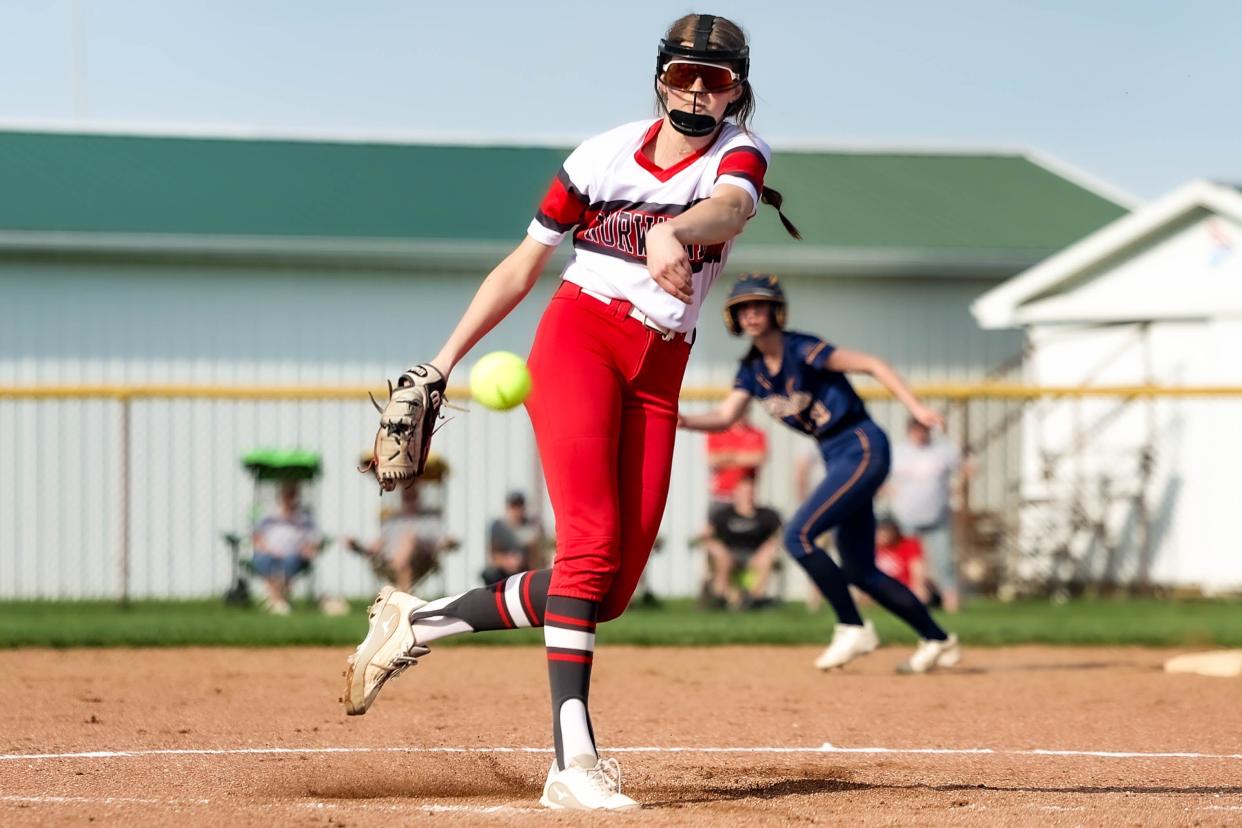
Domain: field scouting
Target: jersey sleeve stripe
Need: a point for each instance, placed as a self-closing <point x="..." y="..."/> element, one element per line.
<point x="814" y="352"/>
<point x="563" y="205"/>
<point x="746" y="163"/>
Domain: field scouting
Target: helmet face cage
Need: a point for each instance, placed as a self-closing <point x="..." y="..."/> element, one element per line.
<point x="702" y="52"/>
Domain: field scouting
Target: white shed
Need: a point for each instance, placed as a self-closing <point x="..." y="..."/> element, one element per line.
<point x="1132" y="487"/>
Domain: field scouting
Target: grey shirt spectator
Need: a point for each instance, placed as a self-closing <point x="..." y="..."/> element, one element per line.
<point x="515" y="541"/>
<point x="919" y="490"/>
<point x="520" y="539"/>
<point x="920" y="482"/>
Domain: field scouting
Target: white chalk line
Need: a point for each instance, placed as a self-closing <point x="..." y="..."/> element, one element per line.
<point x="100" y="800"/>
<point x="429" y="808"/>
<point x="826" y="748"/>
<point x="501" y="810"/>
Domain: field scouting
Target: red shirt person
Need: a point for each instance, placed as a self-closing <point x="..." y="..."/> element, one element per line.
<point x="900" y="557"/>
<point x="734" y="454"/>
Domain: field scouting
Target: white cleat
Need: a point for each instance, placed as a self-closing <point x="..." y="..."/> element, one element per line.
<point x="932" y="654"/>
<point x="387" y="651"/>
<point x="849" y="641"/>
<point x="587" y="784"/>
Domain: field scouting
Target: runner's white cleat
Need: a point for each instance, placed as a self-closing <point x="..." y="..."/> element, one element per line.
<point x="932" y="654"/>
<point x="587" y="784"/>
<point x="387" y="651"/>
<point x="849" y="641"/>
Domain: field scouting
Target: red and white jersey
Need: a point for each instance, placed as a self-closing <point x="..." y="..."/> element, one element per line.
<point x="609" y="194"/>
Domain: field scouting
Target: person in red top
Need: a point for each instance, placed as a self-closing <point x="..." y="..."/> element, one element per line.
<point x="734" y="454"/>
<point x="900" y="557"/>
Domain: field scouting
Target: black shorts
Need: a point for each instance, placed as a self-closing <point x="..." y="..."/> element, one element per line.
<point x="740" y="555"/>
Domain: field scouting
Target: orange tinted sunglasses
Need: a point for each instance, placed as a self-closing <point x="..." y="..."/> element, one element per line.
<point x="681" y="74"/>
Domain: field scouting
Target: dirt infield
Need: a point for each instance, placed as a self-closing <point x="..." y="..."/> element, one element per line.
<point x="255" y="737"/>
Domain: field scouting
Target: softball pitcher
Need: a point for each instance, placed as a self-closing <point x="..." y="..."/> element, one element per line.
<point x="652" y="208"/>
<point x="801" y="380"/>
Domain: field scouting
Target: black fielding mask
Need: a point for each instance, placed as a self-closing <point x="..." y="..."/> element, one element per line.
<point x="693" y="124"/>
<point x="697" y="124"/>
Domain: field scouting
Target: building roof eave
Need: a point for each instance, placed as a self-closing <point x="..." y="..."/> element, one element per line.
<point x="965" y="263"/>
<point x="1002" y="306"/>
<point x="472" y="255"/>
<point x="324" y="252"/>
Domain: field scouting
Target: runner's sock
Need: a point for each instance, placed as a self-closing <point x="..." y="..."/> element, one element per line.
<point x="832" y="584"/>
<point x="895" y="597"/>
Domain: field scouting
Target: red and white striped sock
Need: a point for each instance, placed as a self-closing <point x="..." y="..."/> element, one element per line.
<point x="569" y="635"/>
<point x="518" y="601"/>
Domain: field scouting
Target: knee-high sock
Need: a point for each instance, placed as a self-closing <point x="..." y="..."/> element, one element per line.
<point x="895" y="597"/>
<point x="518" y="601"/>
<point x="569" y="633"/>
<point x="832" y="584"/>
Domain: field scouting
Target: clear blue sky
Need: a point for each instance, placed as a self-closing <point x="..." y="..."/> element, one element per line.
<point x="1141" y="93"/>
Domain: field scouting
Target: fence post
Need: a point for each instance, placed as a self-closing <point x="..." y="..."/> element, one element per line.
<point x="963" y="448"/>
<point x="963" y="520"/>
<point x="123" y="551"/>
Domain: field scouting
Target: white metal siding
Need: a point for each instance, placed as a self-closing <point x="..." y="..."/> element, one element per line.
<point x="1093" y="446"/>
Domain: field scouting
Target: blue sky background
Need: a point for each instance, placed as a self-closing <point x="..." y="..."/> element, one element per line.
<point x="1141" y="93"/>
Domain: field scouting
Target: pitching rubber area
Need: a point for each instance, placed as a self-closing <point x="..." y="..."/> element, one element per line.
<point x="704" y="735"/>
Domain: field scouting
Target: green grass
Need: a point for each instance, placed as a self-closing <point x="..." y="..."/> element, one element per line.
<point x="165" y="624"/>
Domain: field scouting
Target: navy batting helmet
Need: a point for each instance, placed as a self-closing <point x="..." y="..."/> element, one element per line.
<point x="754" y="287"/>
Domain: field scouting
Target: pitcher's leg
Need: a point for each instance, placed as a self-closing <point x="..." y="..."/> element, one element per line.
<point x="645" y="456"/>
<point x="516" y="602"/>
<point x="645" y="466"/>
<point x="575" y="410"/>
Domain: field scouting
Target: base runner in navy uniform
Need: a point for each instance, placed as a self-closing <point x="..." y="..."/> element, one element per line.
<point x="801" y="380"/>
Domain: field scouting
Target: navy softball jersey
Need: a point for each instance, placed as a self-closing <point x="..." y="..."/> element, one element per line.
<point x="804" y="394"/>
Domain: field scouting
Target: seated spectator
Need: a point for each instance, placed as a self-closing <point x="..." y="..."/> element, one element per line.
<point x="285" y="542"/>
<point x="732" y="454"/>
<point x="515" y="542"/>
<point x="409" y="545"/>
<point x="742" y="540"/>
<point x="900" y="557"/>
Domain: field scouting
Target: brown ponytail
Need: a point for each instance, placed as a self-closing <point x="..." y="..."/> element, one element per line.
<point x="775" y="199"/>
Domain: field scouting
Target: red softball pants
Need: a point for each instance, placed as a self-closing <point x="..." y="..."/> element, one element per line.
<point x="603" y="406"/>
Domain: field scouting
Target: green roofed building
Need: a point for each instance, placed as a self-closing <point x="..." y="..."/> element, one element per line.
<point x="232" y="260"/>
<point x="412" y="204"/>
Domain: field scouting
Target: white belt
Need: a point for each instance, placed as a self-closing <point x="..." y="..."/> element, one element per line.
<point x="665" y="333"/>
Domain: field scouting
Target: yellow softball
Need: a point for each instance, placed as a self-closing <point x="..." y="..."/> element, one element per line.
<point x="500" y="380"/>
